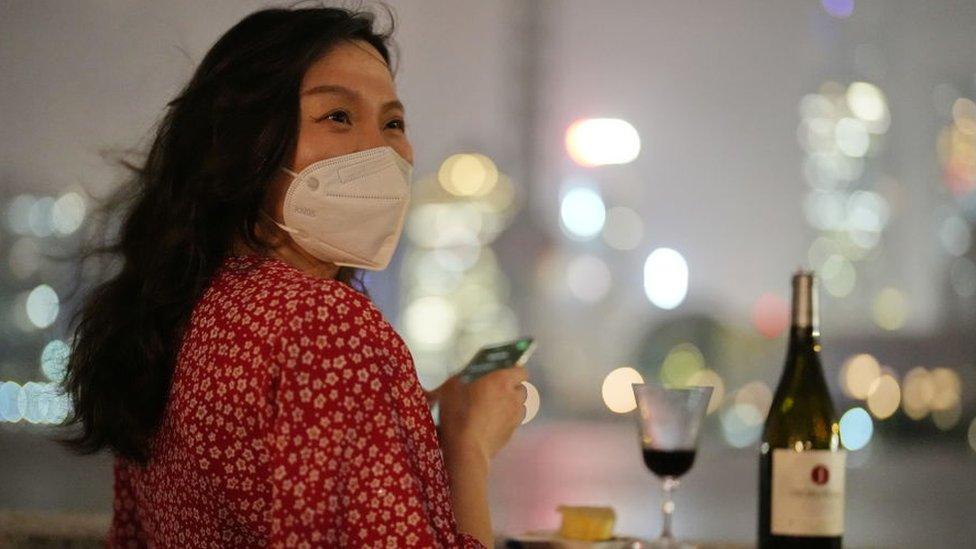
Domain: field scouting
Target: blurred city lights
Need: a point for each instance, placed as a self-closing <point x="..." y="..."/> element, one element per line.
<point x="42" y="306"/>
<point x="681" y="363"/>
<point x="757" y="395"/>
<point x="68" y="213"/>
<point x="468" y="174"/>
<point x="623" y="229"/>
<point x="770" y="315"/>
<point x="856" y="428"/>
<point x="948" y="418"/>
<point x="884" y="396"/>
<point x="972" y="434"/>
<point x="741" y="425"/>
<point x="54" y="358"/>
<point x="957" y="144"/>
<point x="618" y="393"/>
<point x="532" y="402"/>
<point x="582" y="213"/>
<point x="11" y="402"/>
<point x="600" y="141"/>
<point x="841" y="9"/>
<point x="954" y="235"/>
<point x="852" y="137"/>
<point x="430" y="321"/>
<point x="868" y="103"/>
<point x="918" y="390"/>
<point x="18" y="213"/>
<point x="838" y="275"/>
<point x="588" y="278"/>
<point x="665" y="278"/>
<point x="890" y="309"/>
<point x="948" y="388"/>
<point x="39" y="216"/>
<point x="858" y="375"/>
<point x="709" y="378"/>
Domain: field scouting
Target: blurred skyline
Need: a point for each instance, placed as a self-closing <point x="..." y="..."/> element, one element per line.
<point x="739" y="141"/>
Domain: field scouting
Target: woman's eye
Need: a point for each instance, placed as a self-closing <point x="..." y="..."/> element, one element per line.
<point x="338" y="116"/>
<point x="397" y="124"/>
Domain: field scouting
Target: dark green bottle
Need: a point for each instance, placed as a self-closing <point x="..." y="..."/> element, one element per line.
<point x="801" y="462"/>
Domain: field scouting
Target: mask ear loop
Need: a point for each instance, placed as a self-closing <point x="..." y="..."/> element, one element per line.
<point x="280" y="226"/>
<point x="271" y="219"/>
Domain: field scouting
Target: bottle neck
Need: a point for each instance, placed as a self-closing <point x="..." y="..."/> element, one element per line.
<point x="805" y="338"/>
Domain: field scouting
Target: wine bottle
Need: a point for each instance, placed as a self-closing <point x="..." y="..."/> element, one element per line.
<point x="801" y="462"/>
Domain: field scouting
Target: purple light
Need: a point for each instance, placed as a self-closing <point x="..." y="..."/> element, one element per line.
<point x="841" y="9"/>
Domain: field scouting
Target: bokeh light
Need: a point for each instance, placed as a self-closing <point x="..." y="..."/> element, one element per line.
<point x="770" y="315"/>
<point x="884" y="396"/>
<point x="868" y="103"/>
<point x="757" y="395"/>
<point x="11" y="402"/>
<point x="709" y="378"/>
<point x="955" y="236"/>
<point x="600" y="141"/>
<point x="918" y="390"/>
<point x="948" y="418"/>
<point x="18" y="213"/>
<point x="468" y="174"/>
<point x="838" y="275"/>
<point x="741" y="424"/>
<point x="618" y="393"/>
<point x="841" y="9"/>
<point x="68" y="213"/>
<point x="972" y="434"/>
<point x="39" y="216"/>
<point x="948" y="388"/>
<point x="852" y="137"/>
<point x="582" y="213"/>
<point x="858" y="374"/>
<point x="532" y="402"/>
<point x="430" y="321"/>
<point x="856" y="428"/>
<point x="665" y="278"/>
<point x="890" y="309"/>
<point x="588" y="278"/>
<point x="681" y="363"/>
<point x="623" y="229"/>
<point x="54" y="358"/>
<point x="42" y="306"/>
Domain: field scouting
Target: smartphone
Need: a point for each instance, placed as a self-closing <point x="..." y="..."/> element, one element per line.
<point x="494" y="357"/>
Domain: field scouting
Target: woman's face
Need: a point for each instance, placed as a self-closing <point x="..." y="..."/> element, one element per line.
<point x="348" y="103"/>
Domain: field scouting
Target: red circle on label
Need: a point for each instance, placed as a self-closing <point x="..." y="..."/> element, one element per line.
<point x="820" y="475"/>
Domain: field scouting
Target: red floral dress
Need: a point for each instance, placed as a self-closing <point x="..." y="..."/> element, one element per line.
<point x="295" y="419"/>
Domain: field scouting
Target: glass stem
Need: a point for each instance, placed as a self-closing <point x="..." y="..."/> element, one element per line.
<point x="667" y="508"/>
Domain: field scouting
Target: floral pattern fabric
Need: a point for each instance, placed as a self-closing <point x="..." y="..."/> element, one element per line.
<point x="295" y="419"/>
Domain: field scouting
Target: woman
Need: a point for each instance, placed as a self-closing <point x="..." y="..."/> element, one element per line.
<point x="252" y="393"/>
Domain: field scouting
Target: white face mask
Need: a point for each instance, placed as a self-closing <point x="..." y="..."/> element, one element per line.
<point x="349" y="210"/>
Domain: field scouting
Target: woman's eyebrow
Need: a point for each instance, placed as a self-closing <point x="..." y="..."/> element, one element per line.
<point x="351" y="94"/>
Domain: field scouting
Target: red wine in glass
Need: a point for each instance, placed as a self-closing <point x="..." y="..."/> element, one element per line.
<point x="669" y="463"/>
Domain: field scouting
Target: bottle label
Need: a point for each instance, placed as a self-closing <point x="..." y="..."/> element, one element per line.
<point x="807" y="496"/>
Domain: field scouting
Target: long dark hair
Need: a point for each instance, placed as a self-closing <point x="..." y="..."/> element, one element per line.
<point x="200" y="187"/>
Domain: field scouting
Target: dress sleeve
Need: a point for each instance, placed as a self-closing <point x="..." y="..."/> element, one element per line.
<point x="125" y="531"/>
<point x="340" y="464"/>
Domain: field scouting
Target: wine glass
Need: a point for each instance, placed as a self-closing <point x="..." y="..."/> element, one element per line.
<point x="669" y="421"/>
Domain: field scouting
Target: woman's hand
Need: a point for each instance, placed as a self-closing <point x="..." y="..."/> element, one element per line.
<point x="481" y="415"/>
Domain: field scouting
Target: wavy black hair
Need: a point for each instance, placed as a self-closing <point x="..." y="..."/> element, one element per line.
<point x="198" y="190"/>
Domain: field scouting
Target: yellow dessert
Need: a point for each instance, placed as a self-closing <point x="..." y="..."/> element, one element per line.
<point x="586" y="523"/>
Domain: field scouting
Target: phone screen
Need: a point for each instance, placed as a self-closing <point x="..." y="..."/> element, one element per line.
<point x="494" y="357"/>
